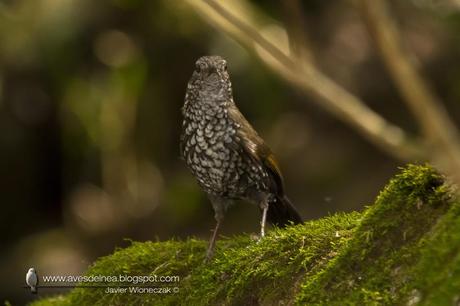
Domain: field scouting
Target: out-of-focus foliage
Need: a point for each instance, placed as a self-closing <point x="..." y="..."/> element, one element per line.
<point x="90" y="98"/>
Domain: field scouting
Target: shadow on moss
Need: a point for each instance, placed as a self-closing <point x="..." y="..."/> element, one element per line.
<point x="404" y="249"/>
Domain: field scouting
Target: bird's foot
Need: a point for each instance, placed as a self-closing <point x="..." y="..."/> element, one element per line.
<point x="260" y="237"/>
<point x="209" y="255"/>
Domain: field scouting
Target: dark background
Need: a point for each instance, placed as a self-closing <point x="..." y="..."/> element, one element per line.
<point x="90" y="98"/>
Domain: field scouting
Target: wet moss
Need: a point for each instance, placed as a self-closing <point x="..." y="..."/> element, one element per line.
<point x="402" y="249"/>
<point x="376" y="265"/>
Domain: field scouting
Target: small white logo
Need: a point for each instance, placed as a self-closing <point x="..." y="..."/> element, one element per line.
<point x="32" y="280"/>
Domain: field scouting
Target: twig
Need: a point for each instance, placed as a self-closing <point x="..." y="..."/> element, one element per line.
<point x="438" y="129"/>
<point x="333" y="97"/>
<point x="299" y="42"/>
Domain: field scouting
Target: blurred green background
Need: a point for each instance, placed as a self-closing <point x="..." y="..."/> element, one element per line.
<point x="90" y="98"/>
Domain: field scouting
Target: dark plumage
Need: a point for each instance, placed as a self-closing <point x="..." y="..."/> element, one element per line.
<point x="225" y="154"/>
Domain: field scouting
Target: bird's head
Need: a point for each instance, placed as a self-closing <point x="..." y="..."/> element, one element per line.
<point x="210" y="80"/>
<point x="32" y="270"/>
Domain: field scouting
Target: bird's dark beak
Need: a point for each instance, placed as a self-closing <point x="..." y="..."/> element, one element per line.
<point x="212" y="77"/>
<point x="209" y="72"/>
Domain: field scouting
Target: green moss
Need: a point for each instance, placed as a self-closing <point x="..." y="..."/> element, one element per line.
<point x="403" y="249"/>
<point x="375" y="266"/>
<point x="437" y="274"/>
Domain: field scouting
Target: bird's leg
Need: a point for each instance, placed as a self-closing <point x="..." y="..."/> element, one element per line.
<point x="264" y="207"/>
<point x="220" y="206"/>
<point x="212" y="241"/>
<point x="262" y="223"/>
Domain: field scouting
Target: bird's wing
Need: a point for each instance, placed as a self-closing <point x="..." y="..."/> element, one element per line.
<point x="258" y="151"/>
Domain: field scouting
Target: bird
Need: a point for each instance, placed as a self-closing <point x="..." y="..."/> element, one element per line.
<point x="225" y="154"/>
<point x="32" y="280"/>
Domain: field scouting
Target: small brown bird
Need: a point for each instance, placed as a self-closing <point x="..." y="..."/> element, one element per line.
<point x="225" y="154"/>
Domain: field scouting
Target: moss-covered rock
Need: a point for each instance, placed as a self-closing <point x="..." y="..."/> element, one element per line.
<point x="404" y="249"/>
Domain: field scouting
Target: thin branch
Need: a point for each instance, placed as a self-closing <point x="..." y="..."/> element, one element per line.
<point x="299" y="42"/>
<point x="332" y="96"/>
<point x="440" y="132"/>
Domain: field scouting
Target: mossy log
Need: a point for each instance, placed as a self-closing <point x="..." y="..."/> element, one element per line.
<point x="402" y="250"/>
